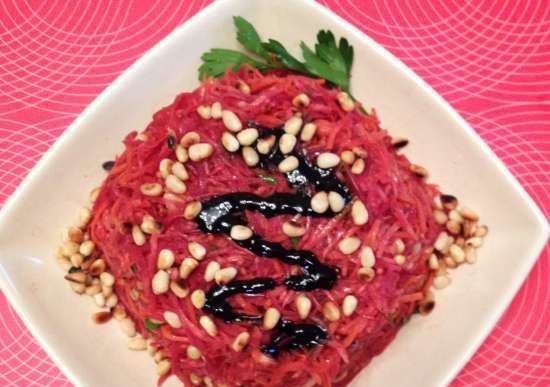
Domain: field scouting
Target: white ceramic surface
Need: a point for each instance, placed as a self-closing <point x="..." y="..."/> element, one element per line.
<point x="48" y="200"/>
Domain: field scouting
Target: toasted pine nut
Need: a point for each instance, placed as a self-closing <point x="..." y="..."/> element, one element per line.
<point x="84" y="217"/>
<point x="349" y="245"/>
<point x="441" y="282"/>
<point x="87" y="248"/>
<point x="240" y="232"/>
<point x="111" y="301"/>
<point x="358" y="167"/>
<point x="287" y="142"/>
<point x="399" y="259"/>
<point x="328" y="160"/>
<point x="271" y="318"/>
<point x="230" y="142"/>
<point x="160" y="282"/>
<point x="195" y="379"/>
<point x="301" y="100"/>
<point x="119" y="312"/>
<point x="398" y="246"/>
<point x="248" y="136"/>
<point x="165" y="259"/>
<point x="97" y="267"/>
<point x="349" y="304"/>
<point x="481" y="231"/>
<point x="456" y="253"/>
<point x="198" y="298"/>
<point x="75" y="235"/>
<point x="200" y="151"/>
<point x="449" y="262"/>
<point x="94" y="194"/>
<point x="181" y="154"/>
<point x="426" y="305"/>
<point x="264" y="145"/>
<point x="137" y="235"/>
<point x="440" y="217"/>
<point x="319" y="202"/>
<point x="137" y="344"/>
<point x="210" y="271"/>
<point x="418" y="170"/>
<point x="64" y="263"/>
<point x="107" y="279"/>
<point x="290" y="163"/>
<point x="453" y="227"/>
<point x="77" y="277"/>
<point x="449" y="202"/>
<point x="196" y="250"/>
<point x="208" y="325"/>
<point x="106" y="290"/>
<point x="172" y="319"/>
<point x="149" y="225"/>
<point x="474" y="242"/>
<point x="303" y="306"/>
<point x="292" y="229"/>
<point x="347" y="157"/>
<point x="359" y="213"/>
<point x="216" y="110"/>
<point x="441" y="243"/>
<point x="336" y="201"/>
<point x="468" y="214"/>
<point x="165" y="166"/>
<point x="225" y="275"/>
<point x="293" y="125"/>
<point x="433" y="262"/>
<point x="367" y="257"/>
<point x="174" y="184"/>
<point x="204" y="111"/>
<point x="366" y="273"/>
<point x="76" y="260"/>
<point x="189" y="139"/>
<point x="69" y="248"/>
<point x="178" y="170"/>
<point x="178" y="290"/>
<point x="93" y="289"/>
<point x="163" y="367"/>
<point x="101" y="317"/>
<point x="231" y="121"/>
<point x="250" y="156"/>
<point x="240" y="341"/>
<point x="471" y="255"/>
<point x="193" y="352"/>
<point x="192" y="209"/>
<point x="99" y="299"/>
<point x="187" y="266"/>
<point x="128" y="327"/>
<point x="399" y="142"/>
<point x="308" y="132"/>
<point x="345" y="101"/>
<point x="331" y="311"/>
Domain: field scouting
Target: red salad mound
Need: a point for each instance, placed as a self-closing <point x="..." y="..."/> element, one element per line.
<point x="400" y="206"/>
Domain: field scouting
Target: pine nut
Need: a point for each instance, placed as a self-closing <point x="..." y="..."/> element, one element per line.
<point x="216" y="110"/>
<point x="204" y="111"/>
<point x="165" y="259"/>
<point x="119" y="313"/>
<point x="433" y="262"/>
<point x="178" y="170"/>
<point x="84" y="217"/>
<point x="225" y="275"/>
<point x="293" y="125"/>
<point x="293" y="230"/>
<point x="449" y="262"/>
<point x="468" y="214"/>
<point x="240" y="341"/>
<point x="303" y="306"/>
<point x="289" y="164"/>
<point x="287" y="142"/>
<point x="149" y="225"/>
<point x="111" y="301"/>
<point x="440" y="217"/>
<point x="76" y="260"/>
<point x="137" y="344"/>
<point x="137" y="235"/>
<point x="366" y="273"/>
<point x="426" y="305"/>
<point x="308" y="132"/>
<point x="349" y="245"/>
<point x="178" y="290"/>
<point x="107" y="279"/>
<point x="189" y="139"/>
<point x="349" y="304"/>
<point x="172" y="319"/>
<point x="187" y="267"/>
<point x="201" y="151"/>
<point x="192" y="209"/>
<point x="243" y="87"/>
<point x="69" y="248"/>
<point x="336" y="201"/>
<point x="481" y="231"/>
<point x="319" y="202"/>
<point x="97" y="267"/>
<point x="441" y="282"/>
<point x="331" y="311"/>
<point x="99" y="300"/>
<point x="347" y="157"/>
<point x="399" y="246"/>
<point x="77" y="277"/>
<point x="418" y="170"/>
<point x="240" y="233"/>
<point x="94" y="194"/>
<point x="471" y="255"/>
<point x="455" y="216"/>
<point x="165" y="166"/>
<point x="231" y="121"/>
<point x="441" y="243"/>
<point x="247" y="137"/>
<point x="128" y="327"/>
<point x="399" y="142"/>
<point x="195" y="379"/>
<point x="327" y="160"/>
<point x="64" y="263"/>
<point x="196" y="250"/>
<point x="163" y="367"/>
<point x="101" y="317"/>
<point x="250" y="156"/>
<point x="399" y="259"/>
<point x="230" y="142"/>
<point x="271" y="318"/>
<point x="208" y="325"/>
<point x="449" y="202"/>
<point x="367" y="257"/>
<point x="301" y="100"/>
<point x="264" y="145"/>
<point x="358" y="167"/>
<point x="193" y="352"/>
<point x="106" y="290"/>
<point x="87" y="248"/>
<point x="198" y="298"/>
<point x="210" y="271"/>
<point x="359" y="213"/>
<point x="453" y="227"/>
<point x="474" y="242"/>
<point x="160" y="282"/>
<point x="181" y="154"/>
<point x="93" y="289"/>
<point x="456" y="253"/>
<point x="345" y="101"/>
<point x="75" y="235"/>
<point x="174" y="184"/>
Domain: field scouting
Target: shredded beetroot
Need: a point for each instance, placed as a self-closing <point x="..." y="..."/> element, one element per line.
<point x="400" y="205"/>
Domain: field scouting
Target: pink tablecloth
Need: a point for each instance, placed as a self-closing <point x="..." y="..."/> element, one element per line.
<point x="489" y="59"/>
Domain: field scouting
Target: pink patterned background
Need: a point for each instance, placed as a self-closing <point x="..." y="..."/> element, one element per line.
<point x="489" y="59"/>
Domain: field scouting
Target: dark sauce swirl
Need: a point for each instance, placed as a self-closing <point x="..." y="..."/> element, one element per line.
<point x="219" y="214"/>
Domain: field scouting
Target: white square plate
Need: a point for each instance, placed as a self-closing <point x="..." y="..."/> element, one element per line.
<point x="96" y="356"/>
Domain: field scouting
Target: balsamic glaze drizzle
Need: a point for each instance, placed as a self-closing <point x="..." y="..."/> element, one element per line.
<point x="220" y="213"/>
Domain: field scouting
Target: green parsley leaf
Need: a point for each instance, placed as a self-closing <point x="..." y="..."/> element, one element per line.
<point x="295" y="241"/>
<point x="248" y="37"/>
<point x="151" y="325"/>
<point x="318" y="67"/>
<point x="218" y="60"/>
<point x="281" y="53"/>
<point x="268" y="179"/>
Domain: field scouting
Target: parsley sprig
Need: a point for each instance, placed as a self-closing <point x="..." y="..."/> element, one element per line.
<point x="328" y="59"/>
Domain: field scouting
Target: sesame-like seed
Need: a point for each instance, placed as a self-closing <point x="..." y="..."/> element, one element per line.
<point x="97" y="267"/>
<point x="468" y="214"/>
<point x="349" y="304"/>
<point x="453" y="227"/>
<point x="449" y="202"/>
<point x="75" y="235"/>
<point x="102" y="317"/>
<point x="76" y="259"/>
<point x="433" y="262"/>
<point x="399" y="246"/>
<point x="69" y="248"/>
<point x="440" y="217"/>
<point x="243" y="87"/>
<point x="149" y="225"/>
<point x="271" y="318"/>
<point x="470" y="254"/>
<point x="418" y="170"/>
<point x="99" y="299"/>
<point x="455" y="215"/>
<point x="231" y="121"/>
<point x="399" y="142"/>
<point x="84" y="217"/>
<point x="481" y="231"/>
<point x="111" y="301"/>
<point x="119" y="312"/>
<point x="319" y="202"/>
<point x="474" y="242"/>
<point x="349" y="245"/>
<point x="441" y="243"/>
<point x="331" y="311"/>
<point x="456" y="253"/>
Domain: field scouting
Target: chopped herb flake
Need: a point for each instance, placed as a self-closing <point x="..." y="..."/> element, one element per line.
<point x="268" y="179"/>
<point x="151" y="325"/>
